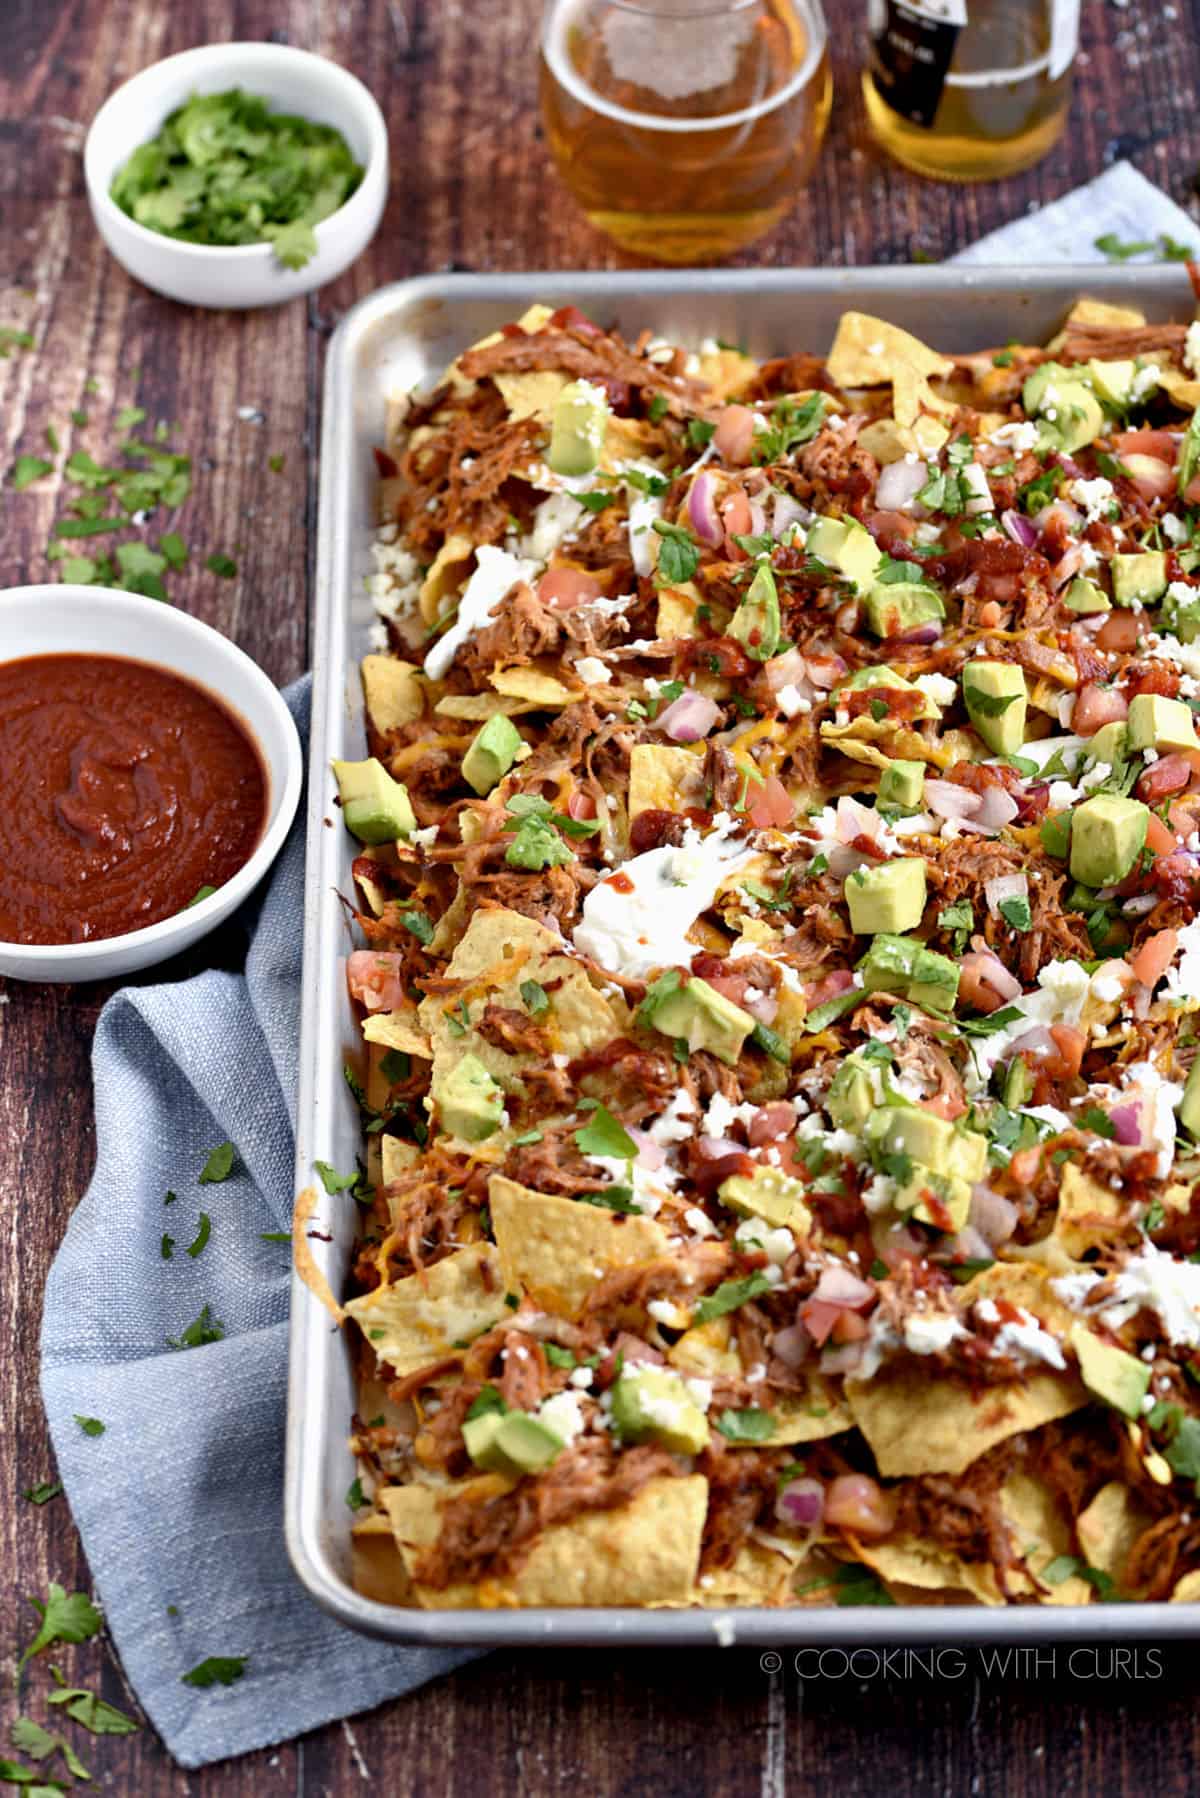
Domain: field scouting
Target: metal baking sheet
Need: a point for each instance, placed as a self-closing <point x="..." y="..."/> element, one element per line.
<point x="401" y="337"/>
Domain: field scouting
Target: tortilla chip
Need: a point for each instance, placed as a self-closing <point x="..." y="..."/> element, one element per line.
<point x="396" y="1157"/>
<point x="1089" y="1215"/>
<point x="912" y="395"/>
<point x="479" y="707"/>
<point x="677" y="611"/>
<point x="866" y="351"/>
<point x="760" y="1575"/>
<point x="1187" y="1591"/>
<point x="1041" y="1534"/>
<point x="808" y="1417"/>
<point x="706" y="1351"/>
<point x="377" y="1569"/>
<point x="641" y="1553"/>
<point x="531" y="394"/>
<point x="419" y="1319"/>
<point x="398" y="1030"/>
<point x="925" y="1566"/>
<point x="393" y="691"/>
<point x="1101" y="312"/>
<point x="1110" y="1526"/>
<point x="531" y="685"/>
<point x="727" y="372"/>
<point x="556" y="1249"/>
<point x="445" y="576"/>
<point x="887" y="441"/>
<point x="918" y="1421"/>
<point x="1183" y="391"/>
<point x="663" y="780"/>
<point x="499" y="950"/>
<point x="371" y="891"/>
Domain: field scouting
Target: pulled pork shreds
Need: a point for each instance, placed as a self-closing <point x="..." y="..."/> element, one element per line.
<point x="849" y="763"/>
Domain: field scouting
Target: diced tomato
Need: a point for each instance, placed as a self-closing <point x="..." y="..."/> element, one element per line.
<point x="771" y="1122"/>
<point x="818" y="1318"/>
<point x="737" y="519"/>
<point x="570" y="318"/>
<point x="1153" y="478"/>
<point x="1170" y="774"/>
<point x="1145" y="443"/>
<point x="564" y="588"/>
<point x="581" y="804"/>
<point x="772" y="805"/>
<point x="858" y="1504"/>
<point x="850" y="1327"/>
<point x="376" y="979"/>
<point x="831" y="986"/>
<point x="1120" y="631"/>
<point x="1149" y="677"/>
<point x="948" y="1105"/>
<point x="733" y="438"/>
<point x="1155" y="957"/>
<point x="1096" y="706"/>
<point x="1158" y="837"/>
<point x="1070" y="1044"/>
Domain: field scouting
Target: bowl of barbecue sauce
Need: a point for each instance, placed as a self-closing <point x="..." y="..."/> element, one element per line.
<point x="149" y="772"/>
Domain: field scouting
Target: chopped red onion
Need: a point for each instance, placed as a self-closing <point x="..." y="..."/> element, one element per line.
<point x="715" y="1148"/>
<point x="786" y="511"/>
<point x="792" y="1345"/>
<point x="702" y="510"/>
<point x="947" y="800"/>
<point x="1127" y="1125"/>
<point x="825" y="671"/>
<point x="689" y="718"/>
<point x="922" y="633"/>
<point x="997" y="808"/>
<point x="801" y="1504"/>
<point x="1036" y="1041"/>
<point x="1022" y="530"/>
<point x="991" y="1215"/>
<point x="838" y="1286"/>
<point x="1004" y="886"/>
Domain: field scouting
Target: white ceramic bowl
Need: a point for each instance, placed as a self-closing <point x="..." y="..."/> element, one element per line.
<point x="248" y="274"/>
<point x="69" y="620"/>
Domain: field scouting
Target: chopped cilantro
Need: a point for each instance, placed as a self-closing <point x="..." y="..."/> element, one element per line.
<point x="415" y="921"/>
<point x="536" y="998"/>
<point x="1016" y="913"/>
<point x="43" y="1492"/>
<point x="202" y="1330"/>
<point x="989" y="1026"/>
<point x="611" y="1198"/>
<point x="26" y="470"/>
<point x="595" y="502"/>
<point x="679" y="554"/>
<point x="960" y="919"/>
<point x="395" y="1066"/>
<point x="728" y="1296"/>
<point x="656" y="411"/>
<point x="558" y="1356"/>
<point x="354" y="1495"/>
<point x="791" y="425"/>
<point x="771" y="1043"/>
<point x="603" y="1134"/>
<point x="167" y="1247"/>
<point x="66" y="1617"/>
<point x="200" y="894"/>
<point x="699" y="432"/>
<point x="91" y="1426"/>
<point x="1003" y="360"/>
<point x="220" y="564"/>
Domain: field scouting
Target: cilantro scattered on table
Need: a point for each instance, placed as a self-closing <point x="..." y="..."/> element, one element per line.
<point x="225" y="169"/>
<point x="91" y="1426"/>
<point x="65" y="1617"/>
<point x="202" y="1330"/>
<point x="26" y="470"/>
<point x="218" y="1166"/>
<point x="203" y="1232"/>
<point x="220" y="564"/>
<point x="43" y="1492"/>
<point x="217" y="1670"/>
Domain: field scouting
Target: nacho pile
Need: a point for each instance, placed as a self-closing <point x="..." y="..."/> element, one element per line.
<point x="780" y="974"/>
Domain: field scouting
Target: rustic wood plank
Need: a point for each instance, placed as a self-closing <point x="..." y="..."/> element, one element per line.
<point x="470" y="187"/>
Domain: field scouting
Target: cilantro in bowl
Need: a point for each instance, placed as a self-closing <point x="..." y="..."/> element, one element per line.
<point x="226" y="170"/>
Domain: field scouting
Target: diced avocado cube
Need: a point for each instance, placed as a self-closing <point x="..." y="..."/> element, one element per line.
<point x="1084" y="596"/>
<point x="1046" y="374"/>
<point x="853" y="1094"/>
<point x="1108" y="834"/>
<point x="1155" y="722"/>
<point x="996" y="699"/>
<point x="510" y="1442"/>
<point x="767" y="1193"/>
<point x="653" y="1402"/>
<point x="703" y="1017"/>
<point x="756" y="622"/>
<point x="1189" y="1105"/>
<point x="1139" y="579"/>
<point x="1070" y="416"/>
<point x="897" y="606"/>
<point x="888" y="896"/>
<point x="375" y="807"/>
<point x="581" y="414"/>
<point x="903" y="784"/>
<point x="1110" y="743"/>
<point x="847" y="547"/>
<point x="1112" y="380"/>
<point x="936" y="1143"/>
<point x="942" y="1200"/>
<point x="470" y="1103"/>
<point x="1180" y="617"/>
<point x="1018" y="1083"/>
<point x="901" y="965"/>
<point x="492" y="753"/>
<point x="1119" y="1378"/>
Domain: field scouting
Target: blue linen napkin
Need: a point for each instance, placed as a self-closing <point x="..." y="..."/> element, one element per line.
<point x="178" y="1503"/>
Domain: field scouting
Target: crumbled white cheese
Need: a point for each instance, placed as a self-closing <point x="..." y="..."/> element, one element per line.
<point x="1154" y="1279"/>
<point x="561" y="1415"/>
<point x="592" y="671"/>
<point x="1174" y="529"/>
<point x="678" y="1122"/>
<point x="554" y="519"/>
<point x="1018" y="437"/>
<point x="426" y="838"/>
<point x="927" y="1332"/>
<point x="938" y="687"/>
<point x="791" y="701"/>
<point x="1096" y="497"/>
<point x="1191" y="348"/>
<point x="1183" y="977"/>
<point x="395" y="584"/>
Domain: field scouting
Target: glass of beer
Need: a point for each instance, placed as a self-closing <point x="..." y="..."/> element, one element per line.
<point x="684" y="128"/>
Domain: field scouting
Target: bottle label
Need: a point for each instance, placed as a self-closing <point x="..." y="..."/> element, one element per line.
<point x="912" y="44"/>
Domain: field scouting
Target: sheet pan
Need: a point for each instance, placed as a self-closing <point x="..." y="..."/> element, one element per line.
<point x="401" y="337"/>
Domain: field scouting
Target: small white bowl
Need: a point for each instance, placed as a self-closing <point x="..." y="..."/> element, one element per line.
<point x="70" y="620"/>
<point x="247" y="274"/>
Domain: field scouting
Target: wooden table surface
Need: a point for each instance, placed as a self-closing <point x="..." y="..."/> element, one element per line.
<point x="471" y="188"/>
